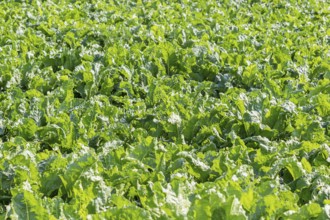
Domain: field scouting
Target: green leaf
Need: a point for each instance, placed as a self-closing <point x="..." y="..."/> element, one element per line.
<point x="26" y="206"/>
<point x="247" y="199"/>
<point x="74" y="172"/>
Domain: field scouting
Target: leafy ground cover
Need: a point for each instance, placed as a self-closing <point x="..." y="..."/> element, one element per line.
<point x="164" y="109"/>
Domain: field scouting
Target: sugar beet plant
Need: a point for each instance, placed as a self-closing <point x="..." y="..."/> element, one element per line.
<point x="164" y="109"/>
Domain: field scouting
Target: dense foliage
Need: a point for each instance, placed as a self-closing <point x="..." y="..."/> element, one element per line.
<point x="164" y="109"/>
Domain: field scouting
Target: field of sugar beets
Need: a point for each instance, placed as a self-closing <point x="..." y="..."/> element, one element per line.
<point x="141" y="109"/>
